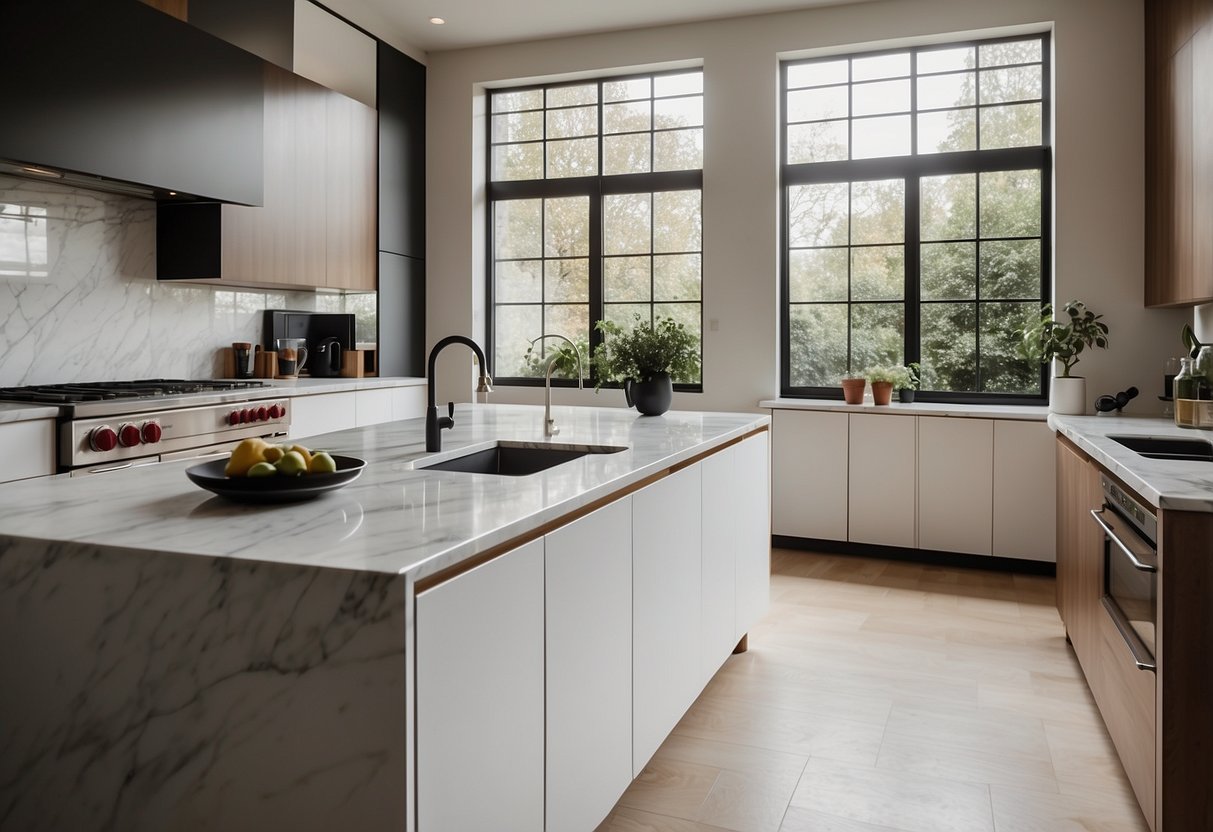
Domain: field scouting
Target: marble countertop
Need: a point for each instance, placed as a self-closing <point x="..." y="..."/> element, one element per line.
<point x="15" y="412"/>
<point x="314" y="386"/>
<point x="896" y="408"/>
<point x="1166" y="484"/>
<point x="395" y="518"/>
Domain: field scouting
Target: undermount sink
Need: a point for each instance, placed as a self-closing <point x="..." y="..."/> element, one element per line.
<point x="509" y="459"/>
<point x="1168" y="447"/>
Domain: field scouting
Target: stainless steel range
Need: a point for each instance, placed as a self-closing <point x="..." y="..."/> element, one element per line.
<point x="107" y="426"/>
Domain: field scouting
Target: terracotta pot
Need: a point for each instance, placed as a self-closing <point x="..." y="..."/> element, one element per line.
<point x="852" y="390"/>
<point x="882" y="392"/>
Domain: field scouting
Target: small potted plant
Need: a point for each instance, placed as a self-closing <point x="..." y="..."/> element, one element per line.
<point x="882" y="380"/>
<point x="852" y="389"/>
<point x="646" y="358"/>
<point x="1045" y="339"/>
<point x="909" y="379"/>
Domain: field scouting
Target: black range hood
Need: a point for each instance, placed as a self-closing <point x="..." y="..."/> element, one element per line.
<point x="115" y="90"/>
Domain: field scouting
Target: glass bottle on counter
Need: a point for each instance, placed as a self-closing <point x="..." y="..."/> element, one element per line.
<point x="1204" y="368"/>
<point x="1187" y="388"/>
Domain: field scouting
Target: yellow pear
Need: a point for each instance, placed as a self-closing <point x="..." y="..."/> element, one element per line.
<point x="303" y="452"/>
<point x="244" y="456"/>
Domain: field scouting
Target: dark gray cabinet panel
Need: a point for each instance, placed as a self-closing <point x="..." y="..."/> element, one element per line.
<point x="401" y="315"/>
<point x="266" y="28"/>
<point x="401" y="93"/>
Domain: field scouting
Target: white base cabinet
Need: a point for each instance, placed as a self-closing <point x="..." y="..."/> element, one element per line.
<point x="810" y="472"/>
<point x="28" y="449"/>
<point x="719" y="587"/>
<point x="955" y="484"/>
<point x="480" y="698"/>
<point x="752" y="510"/>
<point x="588" y="661"/>
<point x="1025" y="491"/>
<point x="880" y="493"/>
<point x="322" y="413"/>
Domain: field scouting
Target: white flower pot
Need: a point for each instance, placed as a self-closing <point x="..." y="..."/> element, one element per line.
<point x="1068" y="396"/>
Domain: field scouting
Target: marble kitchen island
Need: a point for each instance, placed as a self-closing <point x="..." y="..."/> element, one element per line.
<point x="176" y="661"/>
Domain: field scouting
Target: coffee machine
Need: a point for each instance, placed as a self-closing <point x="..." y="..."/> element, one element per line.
<point x="326" y="333"/>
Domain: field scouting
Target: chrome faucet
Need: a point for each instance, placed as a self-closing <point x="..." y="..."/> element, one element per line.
<point x="549" y="424"/>
<point x="435" y="424"/>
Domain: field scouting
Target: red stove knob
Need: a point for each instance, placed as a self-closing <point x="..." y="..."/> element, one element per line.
<point x="233" y="418"/>
<point x="129" y="436"/>
<point x="262" y="414"/>
<point x="245" y="417"/>
<point x="275" y="411"/>
<point x="103" y="438"/>
<point x="152" y="432"/>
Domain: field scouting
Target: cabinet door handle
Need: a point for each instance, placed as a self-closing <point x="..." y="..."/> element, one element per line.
<point x="1141" y="655"/>
<point x="1134" y="557"/>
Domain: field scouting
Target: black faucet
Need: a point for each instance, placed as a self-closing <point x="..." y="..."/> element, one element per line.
<point x="435" y="424"/>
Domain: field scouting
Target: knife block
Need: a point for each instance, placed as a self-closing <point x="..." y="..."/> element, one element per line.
<point x="360" y="363"/>
<point x="266" y="365"/>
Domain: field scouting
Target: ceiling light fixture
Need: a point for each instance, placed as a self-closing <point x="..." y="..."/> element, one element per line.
<point x="437" y="21"/>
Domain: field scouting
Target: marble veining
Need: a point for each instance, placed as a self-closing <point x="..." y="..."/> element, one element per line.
<point x="896" y="408"/>
<point x="79" y="300"/>
<point x="1167" y="484"/>
<point x="10" y="412"/>
<point x="158" y="693"/>
<point x="393" y="519"/>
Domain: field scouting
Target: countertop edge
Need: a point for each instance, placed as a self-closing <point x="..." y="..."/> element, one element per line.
<point x="972" y="411"/>
<point x="14" y="412"/>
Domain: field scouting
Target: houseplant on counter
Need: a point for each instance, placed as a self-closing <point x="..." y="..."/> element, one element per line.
<point x="646" y="358"/>
<point x="1045" y="339"/>
<point x="852" y="389"/>
<point x="882" y="380"/>
<point x="909" y="379"/>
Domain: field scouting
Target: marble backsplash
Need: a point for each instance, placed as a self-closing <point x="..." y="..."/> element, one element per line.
<point x="79" y="299"/>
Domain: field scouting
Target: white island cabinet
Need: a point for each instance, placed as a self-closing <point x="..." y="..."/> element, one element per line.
<point x="28" y="449"/>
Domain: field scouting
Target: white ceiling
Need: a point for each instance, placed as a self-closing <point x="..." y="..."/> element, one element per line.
<point x="480" y="22"/>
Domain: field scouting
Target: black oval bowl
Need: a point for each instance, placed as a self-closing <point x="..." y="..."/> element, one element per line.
<point x="276" y="489"/>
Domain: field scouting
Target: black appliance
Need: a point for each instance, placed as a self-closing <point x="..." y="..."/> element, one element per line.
<point x="324" y="359"/>
<point x="1131" y="565"/>
<point x="316" y="327"/>
<point x="114" y="92"/>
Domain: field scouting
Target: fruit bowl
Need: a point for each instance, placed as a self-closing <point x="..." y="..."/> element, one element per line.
<point x="279" y="489"/>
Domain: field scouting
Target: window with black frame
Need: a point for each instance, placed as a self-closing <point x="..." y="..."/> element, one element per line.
<point x="916" y="216"/>
<point x="594" y="213"/>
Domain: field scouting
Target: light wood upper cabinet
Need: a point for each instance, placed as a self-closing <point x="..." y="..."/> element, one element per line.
<point x="351" y="200"/>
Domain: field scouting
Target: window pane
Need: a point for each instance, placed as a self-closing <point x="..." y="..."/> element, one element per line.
<point x="686" y="314"/>
<point x="945" y="60"/>
<point x="626" y="278"/>
<point x="624" y="314"/>
<point x="518" y="281"/>
<point x="504" y="102"/>
<point x="517" y="225"/>
<point x="518" y="161"/>
<point x="678" y="149"/>
<point x="1017" y="52"/>
<point x="1010" y="269"/>
<point x="626" y="154"/>
<point x="1010" y="204"/>
<point x="877" y="335"/>
<point x="880" y="66"/>
<point x="817" y="274"/>
<point x="818" y="73"/>
<point x="936" y="92"/>
<point x="627" y="90"/>
<point x="878" y="211"/>
<point x="817" y="342"/>
<point x="676" y="277"/>
<point x="566" y="281"/>
<point x="948" y="207"/>
<point x="570" y="320"/>
<point x="578" y="121"/>
<point x="878" y="273"/>
<point x="676" y="221"/>
<point x="572" y="96"/>
<point x="1002" y="370"/>
<point x="626" y="118"/>
<point x="824" y="141"/>
<point x="572" y="157"/>
<point x="818" y="104"/>
<point x="626" y="223"/>
<point x="880" y="136"/>
<point x="949" y="346"/>
<point x="818" y="215"/>
<point x="686" y="84"/>
<point x="566" y="227"/>
<point x="947" y="131"/>
<point x="948" y="271"/>
<point x="518" y="127"/>
<point x="1019" y="83"/>
<point x="678" y="112"/>
<point x="514" y="328"/>
<point x="881" y="97"/>
<point x="1014" y="125"/>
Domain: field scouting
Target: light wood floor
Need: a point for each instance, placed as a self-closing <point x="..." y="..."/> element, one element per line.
<point x="887" y="697"/>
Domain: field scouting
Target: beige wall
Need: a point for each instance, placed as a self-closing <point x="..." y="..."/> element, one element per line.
<point x="1098" y="241"/>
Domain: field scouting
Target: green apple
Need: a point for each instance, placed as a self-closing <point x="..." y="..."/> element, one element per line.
<point x="322" y="463"/>
<point x="292" y="464"/>
<point x="262" y="469"/>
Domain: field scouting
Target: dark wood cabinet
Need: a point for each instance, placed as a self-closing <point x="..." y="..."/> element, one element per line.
<point x="1179" y="152"/>
<point x="1079" y="552"/>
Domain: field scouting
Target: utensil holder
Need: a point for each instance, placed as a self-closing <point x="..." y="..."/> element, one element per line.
<point x="360" y="363"/>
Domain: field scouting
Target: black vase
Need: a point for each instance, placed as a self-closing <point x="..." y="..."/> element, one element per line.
<point x="906" y="395"/>
<point x="652" y="397"/>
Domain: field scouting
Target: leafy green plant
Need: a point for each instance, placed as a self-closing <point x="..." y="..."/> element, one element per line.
<point x="535" y="362"/>
<point x="1046" y="339"/>
<point x="644" y="350"/>
<point x="889" y="374"/>
<point x="910" y="377"/>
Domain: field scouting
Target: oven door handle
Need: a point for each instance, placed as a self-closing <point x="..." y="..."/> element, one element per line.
<point x="1139" y="651"/>
<point x="1134" y="557"/>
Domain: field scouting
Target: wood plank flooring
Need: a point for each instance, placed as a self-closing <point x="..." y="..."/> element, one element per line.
<point x="880" y="696"/>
